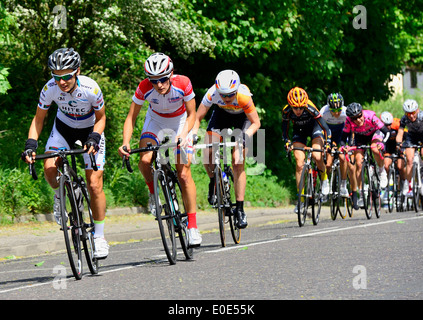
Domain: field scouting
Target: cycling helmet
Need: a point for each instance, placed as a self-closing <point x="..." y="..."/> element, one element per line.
<point x="64" y="58"/>
<point x="297" y="97"/>
<point x="354" y="109"/>
<point x="410" y="105"/>
<point x="158" y="64"/>
<point x="386" y="118"/>
<point x="227" y="81"/>
<point x="335" y="101"/>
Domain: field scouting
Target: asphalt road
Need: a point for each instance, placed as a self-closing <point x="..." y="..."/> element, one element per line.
<point x="351" y="259"/>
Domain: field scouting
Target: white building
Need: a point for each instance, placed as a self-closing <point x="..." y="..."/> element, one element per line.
<point x="410" y="81"/>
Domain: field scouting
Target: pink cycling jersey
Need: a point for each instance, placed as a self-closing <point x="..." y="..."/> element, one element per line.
<point x="369" y="127"/>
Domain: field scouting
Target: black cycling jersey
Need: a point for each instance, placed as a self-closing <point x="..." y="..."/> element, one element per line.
<point x="415" y="127"/>
<point x="310" y="115"/>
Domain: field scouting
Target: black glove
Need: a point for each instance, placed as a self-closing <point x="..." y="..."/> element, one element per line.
<point x="31" y="146"/>
<point x="93" y="140"/>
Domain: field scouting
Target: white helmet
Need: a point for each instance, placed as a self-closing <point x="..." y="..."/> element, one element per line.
<point x="410" y="105"/>
<point x="227" y="81"/>
<point x="386" y="118"/>
<point x="158" y="64"/>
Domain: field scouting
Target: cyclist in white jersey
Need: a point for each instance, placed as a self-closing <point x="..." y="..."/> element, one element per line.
<point x="171" y="112"/>
<point x="80" y="116"/>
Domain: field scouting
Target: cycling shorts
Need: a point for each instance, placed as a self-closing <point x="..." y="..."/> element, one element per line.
<point x="314" y="130"/>
<point x="157" y="128"/>
<point x="221" y="120"/>
<point x="62" y="136"/>
<point x="360" y="140"/>
<point x="411" y="139"/>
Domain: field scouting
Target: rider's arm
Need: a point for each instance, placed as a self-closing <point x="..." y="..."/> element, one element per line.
<point x="129" y="125"/>
<point x="201" y="113"/>
<point x="100" y="121"/>
<point x="37" y="124"/>
<point x="400" y="135"/>
<point x="285" y="122"/>
<point x="191" y="117"/>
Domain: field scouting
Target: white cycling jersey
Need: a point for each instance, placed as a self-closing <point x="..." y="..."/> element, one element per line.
<point x="75" y="109"/>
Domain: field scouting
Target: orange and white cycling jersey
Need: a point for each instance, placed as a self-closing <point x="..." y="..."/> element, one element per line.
<point x="242" y="102"/>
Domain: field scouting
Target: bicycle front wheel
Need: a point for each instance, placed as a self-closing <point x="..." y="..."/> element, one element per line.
<point x="304" y="194"/>
<point x="416" y="188"/>
<point x="71" y="226"/>
<point x="366" y="190"/>
<point x="391" y="189"/>
<point x="88" y="229"/>
<point x="317" y="198"/>
<point x="164" y="218"/>
<point x="220" y="204"/>
<point x="334" y="197"/>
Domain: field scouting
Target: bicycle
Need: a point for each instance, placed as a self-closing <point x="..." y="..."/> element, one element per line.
<point x="370" y="186"/>
<point x="310" y="193"/>
<point x="395" y="196"/>
<point x="77" y="221"/>
<point x="335" y="185"/>
<point x="222" y="188"/>
<point x="417" y="178"/>
<point x="170" y="212"/>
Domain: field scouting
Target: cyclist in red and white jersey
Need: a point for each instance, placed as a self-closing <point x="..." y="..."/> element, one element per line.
<point x="235" y="108"/>
<point x="80" y="116"/>
<point x="365" y="128"/>
<point x="171" y="112"/>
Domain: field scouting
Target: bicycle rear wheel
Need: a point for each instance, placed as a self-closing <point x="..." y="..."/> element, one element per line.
<point x="376" y="191"/>
<point x="71" y="226"/>
<point x="179" y="207"/>
<point x="416" y="189"/>
<point x="235" y="231"/>
<point x="220" y="204"/>
<point x="304" y="194"/>
<point x="163" y="215"/>
<point x="88" y="229"/>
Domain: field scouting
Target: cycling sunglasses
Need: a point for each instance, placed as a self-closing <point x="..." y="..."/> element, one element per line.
<point x="161" y="80"/>
<point x="65" y="77"/>
<point x="335" y="110"/>
<point x="357" y="117"/>
<point x="229" y="95"/>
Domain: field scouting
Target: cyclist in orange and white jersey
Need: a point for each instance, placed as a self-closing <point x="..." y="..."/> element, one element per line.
<point x="235" y="109"/>
<point x="171" y="112"/>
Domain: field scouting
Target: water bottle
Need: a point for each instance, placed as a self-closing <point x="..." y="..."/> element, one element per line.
<point x="226" y="183"/>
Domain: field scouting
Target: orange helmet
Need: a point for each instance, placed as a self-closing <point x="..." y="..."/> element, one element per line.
<point x="297" y="97"/>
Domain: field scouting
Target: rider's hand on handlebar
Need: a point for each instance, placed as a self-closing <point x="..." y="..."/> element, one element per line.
<point x="124" y="151"/>
<point x="288" y="145"/>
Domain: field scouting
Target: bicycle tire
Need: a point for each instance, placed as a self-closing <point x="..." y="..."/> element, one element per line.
<point x="163" y="216"/>
<point x="366" y="194"/>
<point x="70" y="226"/>
<point x="303" y="195"/>
<point x="345" y="206"/>
<point x="416" y="188"/>
<point x="391" y="189"/>
<point x="88" y="229"/>
<point x="317" y="199"/>
<point x="182" y="221"/>
<point x="235" y="231"/>
<point x="334" y="197"/>
<point x="376" y="191"/>
<point x="220" y="205"/>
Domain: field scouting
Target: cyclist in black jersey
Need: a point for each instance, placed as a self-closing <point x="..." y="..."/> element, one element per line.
<point x="307" y="123"/>
<point x="413" y="121"/>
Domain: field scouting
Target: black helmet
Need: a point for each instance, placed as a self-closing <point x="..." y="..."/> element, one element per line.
<point x="354" y="109"/>
<point x="335" y="101"/>
<point x="64" y="58"/>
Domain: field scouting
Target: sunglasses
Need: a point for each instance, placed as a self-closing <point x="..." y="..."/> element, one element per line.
<point x="336" y="110"/>
<point x="161" y="80"/>
<point x="65" y="77"/>
<point x="229" y="95"/>
<point x="411" y="113"/>
<point x="357" y="117"/>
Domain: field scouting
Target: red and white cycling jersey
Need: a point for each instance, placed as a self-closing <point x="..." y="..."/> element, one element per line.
<point x="169" y="105"/>
<point x="75" y="109"/>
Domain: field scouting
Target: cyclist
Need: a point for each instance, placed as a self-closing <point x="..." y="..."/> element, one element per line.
<point x="390" y="146"/>
<point x="307" y="123"/>
<point x="235" y="108"/>
<point x="413" y="121"/>
<point x="80" y="116"/>
<point x="364" y="127"/>
<point x="171" y="112"/>
<point x="334" y="113"/>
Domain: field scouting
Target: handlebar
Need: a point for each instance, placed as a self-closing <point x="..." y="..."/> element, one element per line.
<point x="62" y="154"/>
